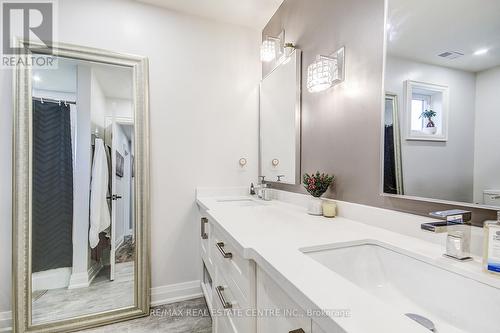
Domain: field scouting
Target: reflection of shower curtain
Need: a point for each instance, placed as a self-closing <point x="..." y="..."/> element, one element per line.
<point x="52" y="187"/>
<point x="390" y="185"/>
<point x="72" y="108"/>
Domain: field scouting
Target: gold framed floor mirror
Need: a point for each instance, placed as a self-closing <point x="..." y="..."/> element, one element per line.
<point x="81" y="250"/>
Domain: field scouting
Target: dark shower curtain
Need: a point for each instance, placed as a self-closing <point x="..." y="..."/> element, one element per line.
<point x="390" y="185"/>
<point x="52" y="223"/>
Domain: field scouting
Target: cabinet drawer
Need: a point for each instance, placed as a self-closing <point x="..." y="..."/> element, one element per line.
<point x="271" y="297"/>
<point x="238" y="318"/>
<point x="237" y="271"/>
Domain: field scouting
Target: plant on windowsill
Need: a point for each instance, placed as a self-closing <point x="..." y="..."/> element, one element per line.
<point x="316" y="184"/>
<point x="430" y="127"/>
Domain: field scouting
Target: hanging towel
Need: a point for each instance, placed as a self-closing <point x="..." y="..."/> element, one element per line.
<point x="99" y="211"/>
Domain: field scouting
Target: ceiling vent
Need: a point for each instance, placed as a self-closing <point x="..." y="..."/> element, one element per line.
<point x="451" y="55"/>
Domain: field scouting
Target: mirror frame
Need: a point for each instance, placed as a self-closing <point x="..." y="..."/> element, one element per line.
<point x="21" y="203"/>
<point x="297" y="53"/>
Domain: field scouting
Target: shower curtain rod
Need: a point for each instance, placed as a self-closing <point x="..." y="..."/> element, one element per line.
<point x="50" y="100"/>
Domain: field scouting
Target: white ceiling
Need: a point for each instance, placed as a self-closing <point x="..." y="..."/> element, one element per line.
<point x="248" y="13"/>
<point x="422" y="29"/>
<point x="62" y="79"/>
<point x="115" y="81"/>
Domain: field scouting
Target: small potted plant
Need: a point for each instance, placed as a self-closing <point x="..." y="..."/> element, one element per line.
<point x="430" y="127"/>
<point x="316" y="185"/>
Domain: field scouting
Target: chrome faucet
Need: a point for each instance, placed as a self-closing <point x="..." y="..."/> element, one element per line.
<point x="262" y="189"/>
<point x="458" y="226"/>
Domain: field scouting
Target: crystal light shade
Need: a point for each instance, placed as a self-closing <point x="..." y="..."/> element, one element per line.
<point x="268" y="50"/>
<point x="321" y="74"/>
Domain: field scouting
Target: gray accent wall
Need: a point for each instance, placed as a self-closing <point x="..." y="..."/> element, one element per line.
<point x="341" y="127"/>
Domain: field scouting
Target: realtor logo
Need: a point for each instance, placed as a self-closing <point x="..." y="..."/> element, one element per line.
<point x="31" y="21"/>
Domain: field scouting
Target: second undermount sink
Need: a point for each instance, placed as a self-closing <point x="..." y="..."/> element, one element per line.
<point x="449" y="301"/>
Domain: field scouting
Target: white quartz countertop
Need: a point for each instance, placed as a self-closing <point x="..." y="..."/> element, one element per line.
<point x="272" y="235"/>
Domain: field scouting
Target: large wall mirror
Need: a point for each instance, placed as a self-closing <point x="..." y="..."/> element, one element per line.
<point x="280" y="122"/>
<point x="443" y="69"/>
<point x="81" y="190"/>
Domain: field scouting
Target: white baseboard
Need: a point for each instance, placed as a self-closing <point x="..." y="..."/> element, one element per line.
<point x="175" y="293"/>
<point x="93" y="271"/>
<point x="6" y="321"/>
<point x="51" y="279"/>
<point x="84" y="279"/>
<point x="119" y="242"/>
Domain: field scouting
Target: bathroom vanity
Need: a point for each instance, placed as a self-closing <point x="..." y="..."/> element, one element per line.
<point x="270" y="267"/>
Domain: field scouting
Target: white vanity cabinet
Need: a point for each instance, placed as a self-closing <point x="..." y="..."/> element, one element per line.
<point x="228" y="280"/>
<point x="242" y="297"/>
<point x="316" y="328"/>
<point x="208" y="268"/>
<point x="233" y="291"/>
<point x="279" y="313"/>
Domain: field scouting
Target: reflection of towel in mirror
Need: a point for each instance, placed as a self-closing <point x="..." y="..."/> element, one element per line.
<point x="99" y="212"/>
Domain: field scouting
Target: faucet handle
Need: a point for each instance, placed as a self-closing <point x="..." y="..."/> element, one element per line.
<point x="279" y="177"/>
<point x="455" y="245"/>
<point x="262" y="178"/>
<point x="453" y="216"/>
<point x="458" y="246"/>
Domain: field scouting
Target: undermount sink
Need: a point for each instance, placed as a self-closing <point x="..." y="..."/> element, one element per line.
<point x="241" y="202"/>
<point x="452" y="302"/>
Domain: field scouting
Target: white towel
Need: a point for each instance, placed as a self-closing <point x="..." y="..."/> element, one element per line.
<point x="99" y="212"/>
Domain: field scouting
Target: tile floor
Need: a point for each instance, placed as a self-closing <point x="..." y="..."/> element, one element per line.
<point x="184" y="317"/>
<point x="102" y="295"/>
<point x="126" y="251"/>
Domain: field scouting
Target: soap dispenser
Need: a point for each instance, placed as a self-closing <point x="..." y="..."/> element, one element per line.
<point x="491" y="257"/>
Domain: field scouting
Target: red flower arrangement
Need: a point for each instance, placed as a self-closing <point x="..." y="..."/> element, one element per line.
<point x="317" y="184"/>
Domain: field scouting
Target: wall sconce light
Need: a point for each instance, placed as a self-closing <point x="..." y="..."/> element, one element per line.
<point x="325" y="71"/>
<point x="272" y="47"/>
<point x="268" y="50"/>
<point x="288" y="49"/>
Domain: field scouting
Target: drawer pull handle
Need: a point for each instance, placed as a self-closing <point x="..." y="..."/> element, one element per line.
<point x="204" y="221"/>
<point x="300" y="330"/>
<point x="225" y="304"/>
<point x="225" y="254"/>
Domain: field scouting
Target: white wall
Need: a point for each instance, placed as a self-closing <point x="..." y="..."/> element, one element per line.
<point x="487" y="158"/>
<point x="5" y="188"/>
<point x="441" y="170"/>
<point x="204" y="115"/>
<point x="58" y="95"/>
<point x="81" y="180"/>
<point x="119" y="107"/>
<point x="97" y="105"/>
